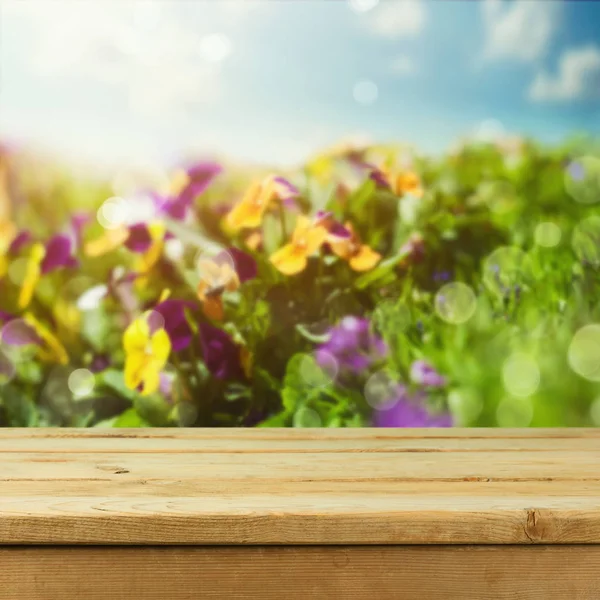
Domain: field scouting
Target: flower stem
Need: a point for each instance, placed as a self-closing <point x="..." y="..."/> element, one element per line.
<point x="284" y="232"/>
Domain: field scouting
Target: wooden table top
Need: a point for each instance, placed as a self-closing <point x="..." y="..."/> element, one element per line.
<point x="299" y="486"/>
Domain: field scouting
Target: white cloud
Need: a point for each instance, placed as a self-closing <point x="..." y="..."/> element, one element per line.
<point x="398" y="19"/>
<point x="520" y="30"/>
<point x="403" y="65"/>
<point x="578" y="77"/>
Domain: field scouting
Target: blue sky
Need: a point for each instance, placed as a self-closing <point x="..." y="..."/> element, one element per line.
<point x="272" y="81"/>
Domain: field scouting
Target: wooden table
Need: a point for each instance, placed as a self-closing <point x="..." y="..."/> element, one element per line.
<point x="299" y="514"/>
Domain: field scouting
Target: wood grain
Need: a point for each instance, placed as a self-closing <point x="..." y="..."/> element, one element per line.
<point x="353" y="486"/>
<point x="298" y="573"/>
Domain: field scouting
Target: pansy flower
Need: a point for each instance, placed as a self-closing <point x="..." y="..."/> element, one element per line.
<point x="400" y="182"/>
<point x="226" y="272"/>
<point x="44" y="259"/>
<point x="147" y="349"/>
<point x="258" y="199"/>
<point x="307" y="238"/>
<point x="175" y="321"/>
<point x="359" y="256"/>
<point x="30" y="331"/>
<point x="422" y="373"/>
<point x="223" y="357"/>
<point x="335" y="230"/>
<point x="409" y="410"/>
<point x="353" y="345"/>
<point x="185" y="186"/>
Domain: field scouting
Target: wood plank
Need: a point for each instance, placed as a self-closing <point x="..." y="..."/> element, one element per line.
<point x="315" y="487"/>
<point x="297" y="573"/>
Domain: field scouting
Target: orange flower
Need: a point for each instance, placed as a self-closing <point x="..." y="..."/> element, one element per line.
<point x="254" y="241"/>
<point x="109" y="241"/>
<point x="215" y="278"/>
<point x="404" y="182"/>
<point x="248" y="214"/>
<point x="261" y="195"/>
<point x="360" y="257"/>
<point x="306" y="240"/>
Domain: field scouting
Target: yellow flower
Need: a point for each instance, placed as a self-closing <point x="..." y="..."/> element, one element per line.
<point x="249" y="212"/>
<point x="146" y="353"/>
<point x="149" y="258"/>
<point x="215" y="279"/>
<point x="404" y="182"/>
<point x="109" y="241"/>
<point x="33" y="272"/>
<point x="306" y="240"/>
<point x="360" y="257"/>
<point x="54" y="350"/>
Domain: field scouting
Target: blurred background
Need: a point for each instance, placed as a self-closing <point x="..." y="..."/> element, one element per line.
<point x="113" y="82"/>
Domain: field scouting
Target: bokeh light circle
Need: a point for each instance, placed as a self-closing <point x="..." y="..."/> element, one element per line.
<point x="381" y="391"/>
<point x="186" y="414"/>
<point x="586" y="240"/>
<point x="506" y="268"/>
<point x="19" y="341"/>
<point x="112" y="214"/>
<point x="81" y="382"/>
<point x="521" y="375"/>
<point x="365" y="92"/>
<point x="547" y="234"/>
<point x="7" y="368"/>
<point x="582" y="180"/>
<point x="584" y="352"/>
<point x="455" y="303"/>
<point x="321" y="373"/>
<point x="307" y="417"/>
<point x="465" y="406"/>
<point x="514" y="412"/>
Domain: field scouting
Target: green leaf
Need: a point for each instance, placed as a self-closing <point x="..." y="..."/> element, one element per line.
<point x="384" y="268"/>
<point x="130" y="418"/>
<point x="115" y="380"/>
<point x="316" y="338"/>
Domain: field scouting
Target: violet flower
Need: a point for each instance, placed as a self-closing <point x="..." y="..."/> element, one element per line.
<point x="406" y="410"/>
<point x="334" y="228"/>
<point x="221" y="355"/>
<point x="422" y="373"/>
<point x="353" y="345"/>
<point x="58" y="254"/>
<point x="175" y="322"/>
<point x="198" y="178"/>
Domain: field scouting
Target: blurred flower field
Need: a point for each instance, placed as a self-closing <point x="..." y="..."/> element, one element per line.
<point x="371" y="287"/>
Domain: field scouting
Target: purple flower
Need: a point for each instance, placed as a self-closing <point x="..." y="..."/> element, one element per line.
<point x="6" y="317"/>
<point x="58" y="254"/>
<point x="175" y="322"/>
<point x="409" y="411"/>
<point x="353" y="346"/>
<point x="19" y="242"/>
<point x="287" y="192"/>
<point x="243" y="263"/>
<point x="422" y="373"/>
<point x="335" y="229"/>
<point x="139" y="239"/>
<point x="19" y="333"/>
<point x="379" y="178"/>
<point x="200" y="176"/>
<point x="99" y="363"/>
<point x="221" y="354"/>
<point x="78" y="222"/>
